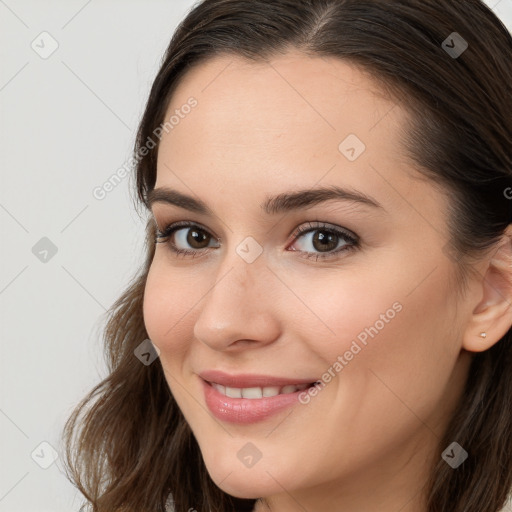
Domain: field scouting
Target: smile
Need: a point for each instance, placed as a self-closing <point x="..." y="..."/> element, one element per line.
<point x="246" y="399"/>
<point x="258" y="392"/>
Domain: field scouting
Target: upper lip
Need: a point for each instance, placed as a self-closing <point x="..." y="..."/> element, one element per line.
<point x="247" y="380"/>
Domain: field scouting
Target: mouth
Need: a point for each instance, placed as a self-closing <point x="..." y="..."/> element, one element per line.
<point x="255" y="393"/>
<point x="244" y="399"/>
<point x="250" y="381"/>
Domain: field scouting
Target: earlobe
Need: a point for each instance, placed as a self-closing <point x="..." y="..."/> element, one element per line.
<point x="491" y="319"/>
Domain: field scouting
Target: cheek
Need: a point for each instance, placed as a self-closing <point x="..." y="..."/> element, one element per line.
<point x="414" y="364"/>
<point x="168" y="325"/>
<point x="345" y="308"/>
<point x="166" y="309"/>
<point x="391" y="336"/>
<point x="387" y="386"/>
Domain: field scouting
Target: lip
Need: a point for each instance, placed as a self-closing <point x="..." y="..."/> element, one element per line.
<point x="250" y="380"/>
<point x="245" y="411"/>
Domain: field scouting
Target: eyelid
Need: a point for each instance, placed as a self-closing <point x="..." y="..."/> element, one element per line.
<point x="301" y="230"/>
<point x="354" y="241"/>
<point x="172" y="227"/>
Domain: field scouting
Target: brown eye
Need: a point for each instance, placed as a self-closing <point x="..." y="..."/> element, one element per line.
<point x="195" y="238"/>
<point x="185" y="238"/>
<point x="321" y="241"/>
<point x="324" y="241"/>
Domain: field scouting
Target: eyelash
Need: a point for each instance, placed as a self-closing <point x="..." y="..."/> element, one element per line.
<point x="163" y="236"/>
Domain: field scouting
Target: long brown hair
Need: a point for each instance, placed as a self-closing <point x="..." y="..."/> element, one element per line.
<point x="128" y="447"/>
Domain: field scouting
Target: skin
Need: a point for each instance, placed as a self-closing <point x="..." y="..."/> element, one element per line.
<point x="261" y="129"/>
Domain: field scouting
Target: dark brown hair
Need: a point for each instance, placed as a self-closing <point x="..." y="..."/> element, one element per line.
<point x="128" y="447"/>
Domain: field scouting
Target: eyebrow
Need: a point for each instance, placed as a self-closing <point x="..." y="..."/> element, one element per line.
<point x="285" y="202"/>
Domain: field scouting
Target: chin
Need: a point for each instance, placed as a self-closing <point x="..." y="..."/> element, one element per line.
<point x="241" y="482"/>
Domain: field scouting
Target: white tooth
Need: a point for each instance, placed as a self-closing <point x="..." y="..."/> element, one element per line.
<point x="288" y="389"/>
<point x="271" y="391"/>
<point x="219" y="388"/>
<point x="251" y="393"/>
<point x="256" y="393"/>
<point x="233" y="392"/>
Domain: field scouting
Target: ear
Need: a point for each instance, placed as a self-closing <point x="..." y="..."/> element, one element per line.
<point x="493" y="314"/>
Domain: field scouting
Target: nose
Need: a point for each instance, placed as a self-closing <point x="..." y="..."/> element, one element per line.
<point x="239" y="310"/>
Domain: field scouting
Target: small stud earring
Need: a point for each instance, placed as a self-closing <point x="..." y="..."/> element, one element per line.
<point x="483" y="334"/>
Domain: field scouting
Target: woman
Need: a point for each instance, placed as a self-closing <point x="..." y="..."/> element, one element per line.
<point x="323" y="320"/>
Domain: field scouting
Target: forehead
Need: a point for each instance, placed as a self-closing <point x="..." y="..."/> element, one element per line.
<point x="295" y="121"/>
<point x="308" y="97"/>
<point x="290" y="106"/>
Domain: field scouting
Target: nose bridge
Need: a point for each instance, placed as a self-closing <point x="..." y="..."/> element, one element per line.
<point x="243" y="262"/>
<point x="238" y="282"/>
<point x="243" y="268"/>
<point x="233" y="279"/>
<point x="235" y="308"/>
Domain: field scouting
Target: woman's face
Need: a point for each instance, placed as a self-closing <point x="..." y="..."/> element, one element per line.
<point x="363" y="301"/>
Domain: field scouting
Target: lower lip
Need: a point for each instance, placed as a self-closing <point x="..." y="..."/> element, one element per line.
<point x="246" y="410"/>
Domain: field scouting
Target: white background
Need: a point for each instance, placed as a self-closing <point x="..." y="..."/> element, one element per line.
<point x="67" y="124"/>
